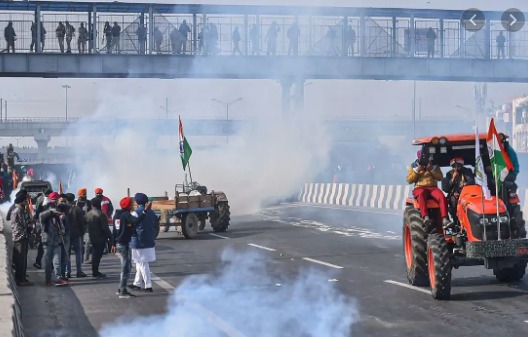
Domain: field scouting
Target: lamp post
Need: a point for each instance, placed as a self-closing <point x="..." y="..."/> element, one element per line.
<point x="166" y="108"/>
<point x="66" y="87"/>
<point x="471" y="113"/>
<point x="227" y="104"/>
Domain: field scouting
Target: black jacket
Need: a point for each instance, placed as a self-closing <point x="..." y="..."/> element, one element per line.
<point x="124" y="225"/>
<point x="98" y="227"/>
<point x="77" y="222"/>
<point x="451" y="187"/>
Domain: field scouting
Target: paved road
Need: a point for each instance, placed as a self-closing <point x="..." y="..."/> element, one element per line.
<point x="282" y="274"/>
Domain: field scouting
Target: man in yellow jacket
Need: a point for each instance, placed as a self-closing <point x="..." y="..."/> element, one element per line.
<point x="425" y="179"/>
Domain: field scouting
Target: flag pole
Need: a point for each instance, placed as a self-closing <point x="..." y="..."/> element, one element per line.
<point x="496" y="191"/>
<point x="477" y="161"/>
<point x="189" y="166"/>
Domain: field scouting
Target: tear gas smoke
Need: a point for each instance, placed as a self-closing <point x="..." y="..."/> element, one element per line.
<point x="271" y="159"/>
<point x="245" y="300"/>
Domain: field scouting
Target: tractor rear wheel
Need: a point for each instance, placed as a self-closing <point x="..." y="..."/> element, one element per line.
<point x="220" y="217"/>
<point x="189" y="225"/>
<point x="514" y="274"/>
<point x="415" y="247"/>
<point x="439" y="263"/>
<point x="518" y="225"/>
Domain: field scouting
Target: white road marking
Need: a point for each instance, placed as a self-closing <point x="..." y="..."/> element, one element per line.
<point x="348" y="209"/>
<point x="408" y="286"/>
<point x="219" y="323"/>
<point x="162" y="283"/>
<point x="262" y="247"/>
<point x="322" y="262"/>
<point x="219" y="236"/>
<point x="525" y="321"/>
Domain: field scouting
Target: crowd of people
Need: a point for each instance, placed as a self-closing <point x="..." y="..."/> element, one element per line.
<point x="62" y="224"/>
<point x="177" y="38"/>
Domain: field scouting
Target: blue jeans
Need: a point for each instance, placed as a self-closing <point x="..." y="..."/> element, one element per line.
<point x="52" y="260"/>
<point x="125" y="254"/>
<point x="76" y="245"/>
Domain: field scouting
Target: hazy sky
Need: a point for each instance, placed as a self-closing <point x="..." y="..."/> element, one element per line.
<point x="45" y="97"/>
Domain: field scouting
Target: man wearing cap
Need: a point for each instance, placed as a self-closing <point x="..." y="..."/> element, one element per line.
<point x="143" y="244"/>
<point x="425" y="178"/>
<point x="20" y="232"/>
<point x="41" y="205"/>
<point x="52" y="221"/>
<point x="100" y="235"/>
<point x="454" y="181"/>
<point x="106" y="204"/>
<point x="123" y="230"/>
<point x="84" y="204"/>
<point x="75" y="218"/>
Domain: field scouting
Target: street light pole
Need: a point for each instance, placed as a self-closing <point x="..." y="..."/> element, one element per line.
<point x="66" y="87"/>
<point x="227" y="104"/>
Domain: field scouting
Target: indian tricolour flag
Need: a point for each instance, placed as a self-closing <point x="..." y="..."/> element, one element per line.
<point x="480" y="174"/>
<point x="185" y="148"/>
<point x="500" y="160"/>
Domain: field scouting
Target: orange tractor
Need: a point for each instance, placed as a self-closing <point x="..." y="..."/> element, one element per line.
<point x="481" y="235"/>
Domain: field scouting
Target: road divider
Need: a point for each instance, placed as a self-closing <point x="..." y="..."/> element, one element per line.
<point x="387" y="197"/>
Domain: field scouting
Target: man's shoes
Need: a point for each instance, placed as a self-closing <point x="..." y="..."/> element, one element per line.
<point x="446" y="223"/>
<point x="426" y="221"/>
<point x="60" y="282"/>
<point x="148" y="290"/>
<point x="24" y="283"/>
<point x="68" y="275"/>
<point x="100" y="276"/>
<point x="81" y="274"/>
<point x="131" y="286"/>
<point x="37" y="265"/>
<point x="125" y="294"/>
<point x="65" y="278"/>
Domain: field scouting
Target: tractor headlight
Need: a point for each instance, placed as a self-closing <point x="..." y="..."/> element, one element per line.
<point x="504" y="218"/>
<point x="443" y="140"/>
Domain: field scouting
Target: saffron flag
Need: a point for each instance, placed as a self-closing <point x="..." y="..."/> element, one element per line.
<point x="185" y="148"/>
<point x="480" y="175"/>
<point x="60" y="188"/>
<point x="500" y="160"/>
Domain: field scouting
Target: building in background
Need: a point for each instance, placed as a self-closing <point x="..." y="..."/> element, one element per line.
<point x="519" y="124"/>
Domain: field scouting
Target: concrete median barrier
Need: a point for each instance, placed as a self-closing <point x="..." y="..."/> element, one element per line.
<point x="386" y="197"/>
<point x="10" y="309"/>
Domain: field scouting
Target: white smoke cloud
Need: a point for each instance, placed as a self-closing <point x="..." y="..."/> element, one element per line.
<point x="246" y="300"/>
<point x="272" y="159"/>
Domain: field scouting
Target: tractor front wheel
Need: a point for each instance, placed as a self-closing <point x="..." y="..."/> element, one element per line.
<point x="415" y="247"/>
<point x="439" y="263"/>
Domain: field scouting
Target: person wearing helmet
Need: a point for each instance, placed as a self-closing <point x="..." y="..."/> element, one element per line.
<point x="454" y="181"/>
<point x="425" y="179"/>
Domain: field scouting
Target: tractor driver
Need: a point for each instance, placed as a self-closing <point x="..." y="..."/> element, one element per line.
<point x="425" y="179"/>
<point x="454" y="181"/>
